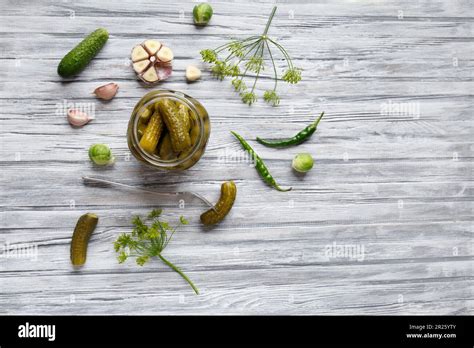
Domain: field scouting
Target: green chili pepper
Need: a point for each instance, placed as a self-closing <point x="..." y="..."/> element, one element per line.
<point x="259" y="164"/>
<point x="300" y="137"/>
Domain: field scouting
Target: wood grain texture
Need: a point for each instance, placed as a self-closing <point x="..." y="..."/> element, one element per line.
<point x="397" y="187"/>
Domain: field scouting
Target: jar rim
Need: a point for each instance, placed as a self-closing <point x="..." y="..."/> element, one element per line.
<point x="152" y="97"/>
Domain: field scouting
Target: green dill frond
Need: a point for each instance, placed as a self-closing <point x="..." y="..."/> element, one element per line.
<point x="122" y="257"/>
<point x="239" y="84"/>
<point x="255" y="64"/>
<point x="237" y="49"/>
<point x="148" y="240"/>
<point x="219" y="70"/>
<point x="155" y="213"/>
<point x="141" y="260"/>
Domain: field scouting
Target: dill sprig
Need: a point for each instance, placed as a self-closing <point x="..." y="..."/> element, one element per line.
<point x="148" y="239"/>
<point x="248" y="55"/>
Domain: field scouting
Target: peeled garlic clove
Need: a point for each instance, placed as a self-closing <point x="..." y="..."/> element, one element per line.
<point x="139" y="53"/>
<point x="106" y="92"/>
<point x="165" y="54"/>
<point x="152" y="46"/>
<point x="150" y="75"/>
<point x="141" y="66"/>
<point x="164" y="71"/>
<point x="192" y="73"/>
<point x="78" y="118"/>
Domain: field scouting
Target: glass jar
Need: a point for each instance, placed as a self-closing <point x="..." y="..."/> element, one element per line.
<point x="198" y="116"/>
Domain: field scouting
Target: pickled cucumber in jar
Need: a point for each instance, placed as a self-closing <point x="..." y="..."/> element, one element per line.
<point x="168" y="129"/>
<point x="152" y="133"/>
<point x="146" y="113"/>
<point x="183" y="112"/>
<point x="175" y="123"/>
<point x="141" y="129"/>
<point x="165" y="150"/>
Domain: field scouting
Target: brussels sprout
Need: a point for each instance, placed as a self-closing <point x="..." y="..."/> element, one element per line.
<point x="303" y="162"/>
<point x="100" y="154"/>
<point x="202" y="14"/>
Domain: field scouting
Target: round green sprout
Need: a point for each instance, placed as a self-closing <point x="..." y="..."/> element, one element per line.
<point x="202" y="14"/>
<point x="100" y="154"/>
<point x="303" y="162"/>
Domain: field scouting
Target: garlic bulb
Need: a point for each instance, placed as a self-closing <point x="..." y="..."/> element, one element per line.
<point x="152" y="61"/>
<point x="78" y="118"/>
<point x="106" y="92"/>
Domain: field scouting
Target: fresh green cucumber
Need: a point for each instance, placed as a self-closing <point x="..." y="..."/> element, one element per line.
<point x="78" y="58"/>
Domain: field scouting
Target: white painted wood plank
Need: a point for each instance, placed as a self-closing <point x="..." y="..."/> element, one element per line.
<point x="399" y="185"/>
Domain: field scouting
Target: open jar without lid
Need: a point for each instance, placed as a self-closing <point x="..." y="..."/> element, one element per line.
<point x="200" y="128"/>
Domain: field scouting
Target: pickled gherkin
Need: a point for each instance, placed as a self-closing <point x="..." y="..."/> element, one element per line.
<point x="145" y="113"/>
<point x="165" y="149"/>
<point x="223" y="205"/>
<point x="151" y="136"/>
<point x="179" y="134"/>
<point x="80" y="238"/>
<point x="141" y="129"/>
<point x="183" y="112"/>
<point x="194" y="134"/>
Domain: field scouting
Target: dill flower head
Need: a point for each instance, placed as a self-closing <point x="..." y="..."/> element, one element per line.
<point x="271" y="97"/>
<point x="292" y="75"/>
<point x="249" y="97"/>
<point x="209" y="56"/>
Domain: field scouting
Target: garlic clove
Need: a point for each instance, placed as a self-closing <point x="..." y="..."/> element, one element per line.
<point x="141" y="66"/>
<point x="78" y="118"/>
<point x="192" y="73"/>
<point x="106" y="92"/>
<point x="150" y="75"/>
<point x="165" y="54"/>
<point x="164" y="71"/>
<point x="139" y="53"/>
<point x="152" y="46"/>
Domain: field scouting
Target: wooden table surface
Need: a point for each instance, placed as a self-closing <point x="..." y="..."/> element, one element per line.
<point x="382" y="225"/>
